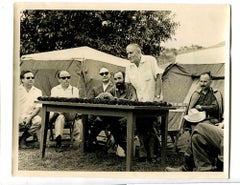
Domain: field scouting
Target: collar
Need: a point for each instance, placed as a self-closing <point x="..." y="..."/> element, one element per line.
<point x="60" y="87"/>
<point x="22" y="87"/>
<point x="211" y="89"/>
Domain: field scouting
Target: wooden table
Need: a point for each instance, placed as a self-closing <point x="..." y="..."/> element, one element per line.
<point x="130" y="112"/>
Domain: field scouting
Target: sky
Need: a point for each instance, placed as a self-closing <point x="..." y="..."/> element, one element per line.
<point x="203" y="25"/>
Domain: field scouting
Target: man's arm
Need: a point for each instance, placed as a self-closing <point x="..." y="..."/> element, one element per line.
<point x="133" y="93"/>
<point x="35" y="112"/>
<point x="158" y="86"/>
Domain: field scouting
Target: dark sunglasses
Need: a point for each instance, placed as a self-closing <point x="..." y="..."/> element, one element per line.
<point x="30" y="77"/>
<point x="65" y="77"/>
<point x="104" y="73"/>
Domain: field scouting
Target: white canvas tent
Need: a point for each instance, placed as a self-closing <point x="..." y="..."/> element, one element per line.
<point x="83" y="63"/>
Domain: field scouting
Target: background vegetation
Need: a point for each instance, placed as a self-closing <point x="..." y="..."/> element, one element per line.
<point x="108" y="31"/>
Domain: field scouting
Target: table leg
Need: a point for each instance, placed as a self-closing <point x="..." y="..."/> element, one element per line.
<point x="44" y="130"/>
<point x="164" y="138"/>
<point x="131" y="121"/>
<point x="84" y="121"/>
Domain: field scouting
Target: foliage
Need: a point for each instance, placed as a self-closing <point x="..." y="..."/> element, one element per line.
<point x="108" y="31"/>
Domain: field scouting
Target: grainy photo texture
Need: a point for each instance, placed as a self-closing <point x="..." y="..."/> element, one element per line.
<point x="111" y="89"/>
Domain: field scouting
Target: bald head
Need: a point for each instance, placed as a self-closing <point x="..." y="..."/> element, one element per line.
<point x="134" y="53"/>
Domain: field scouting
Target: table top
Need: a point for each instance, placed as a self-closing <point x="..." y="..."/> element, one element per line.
<point x="105" y="106"/>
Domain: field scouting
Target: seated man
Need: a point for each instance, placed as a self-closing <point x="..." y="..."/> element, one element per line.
<point x="29" y="120"/>
<point x="209" y="103"/>
<point x="64" y="89"/>
<point x="206" y="145"/>
<point x="126" y="91"/>
<point x="96" y="124"/>
<point x="116" y="125"/>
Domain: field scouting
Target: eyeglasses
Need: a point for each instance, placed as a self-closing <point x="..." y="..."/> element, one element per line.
<point x="104" y="73"/>
<point x="65" y="77"/>
<point x="30" y="77"/>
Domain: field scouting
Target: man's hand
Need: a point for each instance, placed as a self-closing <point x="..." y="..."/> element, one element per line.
<point x="199" y="107"/>
<point x="27" y="122"/>
<point x="158" y="98"/>
<point x="220" y="125"/>
<point x="105" y="95"/>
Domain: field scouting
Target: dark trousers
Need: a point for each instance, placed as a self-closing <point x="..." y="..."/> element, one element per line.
<point x="144" y="127"/>
<point x="114" y="124"/>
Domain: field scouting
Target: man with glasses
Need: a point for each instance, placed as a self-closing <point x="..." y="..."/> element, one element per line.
<point x="66" y="90"/>
<point x="104" y="87"/>
<point x="29" y="120"/>
<point x="96" y="123"/>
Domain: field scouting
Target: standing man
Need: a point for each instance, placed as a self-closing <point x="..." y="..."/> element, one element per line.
<point x="145" y="75"/>
<point x="210" y="101"/>
<point x="29" y="120"/>
<point x="64" y="89"/>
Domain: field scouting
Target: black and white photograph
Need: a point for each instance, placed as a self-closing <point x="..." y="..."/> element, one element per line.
<point x="119" y="89"/>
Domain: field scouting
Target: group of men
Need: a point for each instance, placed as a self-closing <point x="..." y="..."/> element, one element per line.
<point x="141" y="82"/>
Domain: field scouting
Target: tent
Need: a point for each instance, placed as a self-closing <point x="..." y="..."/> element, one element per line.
<point x="180" y="79"/>
<point x="83" y="63"/>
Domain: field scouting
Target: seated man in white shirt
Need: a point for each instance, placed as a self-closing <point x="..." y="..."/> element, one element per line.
<point x="29" y="120"/>
<point x="66" y="90"/>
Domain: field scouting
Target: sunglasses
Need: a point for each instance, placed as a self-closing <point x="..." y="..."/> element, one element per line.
<point x="65" y="77"/>
<point x="104" y="73"/>
<point x="29" y="77"/>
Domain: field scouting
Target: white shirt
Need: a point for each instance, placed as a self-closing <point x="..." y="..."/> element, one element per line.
<point x="70" y="92"/>
<point x="26" y="101"/>
<point x="143" y="77"/>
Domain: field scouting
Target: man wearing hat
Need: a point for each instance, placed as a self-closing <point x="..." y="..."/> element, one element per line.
<point x="205" y="107"/>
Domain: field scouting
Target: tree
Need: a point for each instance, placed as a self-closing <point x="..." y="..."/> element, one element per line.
<point x="108" y="31"/>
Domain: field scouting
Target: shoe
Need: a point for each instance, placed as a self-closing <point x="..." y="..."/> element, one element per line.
<point x="23" y="144"/>
<point x="59" y="149"/>
<point x="36" y="145"/>
<point x="178" y="169"/>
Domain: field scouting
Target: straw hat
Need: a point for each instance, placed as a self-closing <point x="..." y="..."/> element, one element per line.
<point x="195" y="116"/>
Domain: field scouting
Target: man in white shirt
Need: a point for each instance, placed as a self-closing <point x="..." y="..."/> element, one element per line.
<point x="145" y="75"/>
<point x="29" y="120"/>
<point x="66" y="90"/>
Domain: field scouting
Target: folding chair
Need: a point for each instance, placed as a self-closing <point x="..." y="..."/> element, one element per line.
<point x="68" y="125"/>
<point x="175" y="124"/>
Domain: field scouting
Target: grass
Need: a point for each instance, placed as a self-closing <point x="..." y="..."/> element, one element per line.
<point x="99" y="160"/>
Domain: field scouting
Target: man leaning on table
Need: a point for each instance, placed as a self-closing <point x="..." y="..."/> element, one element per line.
<point x="66" y="90"/>
<point x="145" y="75"/>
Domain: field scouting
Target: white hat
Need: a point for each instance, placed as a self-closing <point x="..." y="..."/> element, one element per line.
<point x="195" y="116"/>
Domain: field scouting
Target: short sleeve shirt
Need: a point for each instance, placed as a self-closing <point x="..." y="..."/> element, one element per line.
<point x="26" y="101"/>
<point x="70" y="92"/>
<point x="143" y="77"/>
